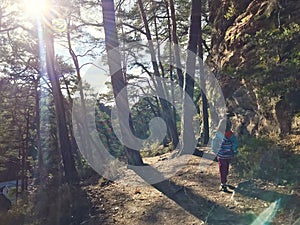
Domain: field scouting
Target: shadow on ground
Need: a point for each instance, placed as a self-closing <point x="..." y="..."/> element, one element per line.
<point x="251" y="189"/>
<point x="201" y="208"/>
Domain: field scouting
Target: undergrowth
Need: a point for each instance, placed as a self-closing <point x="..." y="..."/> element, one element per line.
<point x="62" y="204"/>
<point x="265" y="158"/>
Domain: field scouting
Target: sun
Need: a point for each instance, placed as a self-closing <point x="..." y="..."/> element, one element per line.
<point x="35" y="7"/>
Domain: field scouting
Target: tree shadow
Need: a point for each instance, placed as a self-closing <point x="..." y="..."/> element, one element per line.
<point x="67" y="204"/>
<point x="201" y="208"/>
<point x="250" y="189"/>
<point x="206" y="155"/>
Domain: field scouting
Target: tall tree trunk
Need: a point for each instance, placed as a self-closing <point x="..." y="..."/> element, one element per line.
<point x="64" y="140"/>
<point x="41" y="170"/>
<point x="117" y="78"/>
<point x="171" y="55"/>
<point x="75" y="148"/>
<point x="25" y="147"/>
<point x="188" y="135"/>
<point x="176" y="47"/>
<point x="166" y="110"/>
<point x="202" y="81"/>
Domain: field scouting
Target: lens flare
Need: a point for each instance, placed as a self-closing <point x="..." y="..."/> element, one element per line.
<point x="35" y="7"/>
<point x="59" y="25"/>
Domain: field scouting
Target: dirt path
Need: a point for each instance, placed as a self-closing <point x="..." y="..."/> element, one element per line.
<point x="190" y="197"/>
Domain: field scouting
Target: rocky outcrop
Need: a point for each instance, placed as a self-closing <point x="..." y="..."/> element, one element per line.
<point x="235" y="23"/>
<point x="252" y="115"/>
<point x="243" y="106"/>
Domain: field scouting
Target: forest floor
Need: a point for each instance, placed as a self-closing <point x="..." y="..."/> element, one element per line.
<point x="191" y="196"/>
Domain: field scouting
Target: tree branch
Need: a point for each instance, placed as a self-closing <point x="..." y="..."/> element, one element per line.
<point x="133" y="27"/>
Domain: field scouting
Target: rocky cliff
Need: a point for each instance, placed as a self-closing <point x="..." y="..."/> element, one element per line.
<point x="254" y="54"/>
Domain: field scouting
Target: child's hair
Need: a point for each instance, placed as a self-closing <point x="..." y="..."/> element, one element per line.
<point x="228" y="125"/>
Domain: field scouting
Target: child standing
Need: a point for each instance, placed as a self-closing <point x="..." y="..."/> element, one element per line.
<point x="226" y="147"/>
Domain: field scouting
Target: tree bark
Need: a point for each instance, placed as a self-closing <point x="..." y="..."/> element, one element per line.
<point x="117" y="78"/>
<point x="41" y="170"/>
<point x="188" y="135"/>
<point x="202" y="81"/>
<point x="176" y="47"/>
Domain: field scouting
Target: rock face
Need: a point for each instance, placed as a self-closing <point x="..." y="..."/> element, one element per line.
<point x="252" y="115"/>
<point x="296" y="123"/>
<point x="242" y="104"/>
<point x="234" y="22"/>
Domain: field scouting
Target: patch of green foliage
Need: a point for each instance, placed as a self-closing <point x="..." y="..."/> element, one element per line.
<point x="85" y="171"/>
<point x="262" y="158"/>
<point x="230" y="11"/>
<point x="17" y="215"/>
<point x="275" y="59"/>
<point x="21" y="212"/>
<point x="251" y="150"/>
<point x="50" y="204"/>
